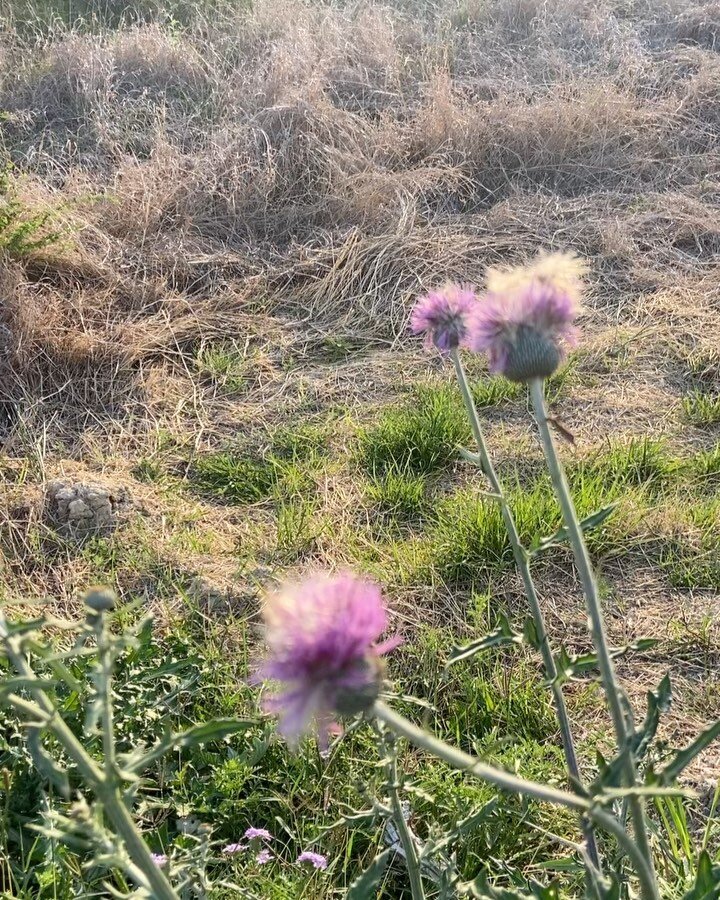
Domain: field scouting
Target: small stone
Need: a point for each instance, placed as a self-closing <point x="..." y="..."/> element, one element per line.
<point x="82" y="508"/>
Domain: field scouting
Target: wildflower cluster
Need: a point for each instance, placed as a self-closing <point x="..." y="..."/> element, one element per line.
<point x="524" y="321"/>
<point x="254" y="841"/>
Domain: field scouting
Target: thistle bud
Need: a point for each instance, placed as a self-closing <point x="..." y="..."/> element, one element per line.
<point x="100" y="599"/>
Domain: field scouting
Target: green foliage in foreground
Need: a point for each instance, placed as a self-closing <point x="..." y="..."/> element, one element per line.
<point x="198" y="671"/>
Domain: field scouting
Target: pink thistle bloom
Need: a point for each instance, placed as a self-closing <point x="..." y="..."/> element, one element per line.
<point x="261" y="833"/>
<point x="316" y="859"/>
<point x="442" y="316"/>
<point x="264" y="856"/>
<point x="159" y="859"/>
<point x="232" y="849"/>
<point x="524" y="330"/>
<point x="321" y="638"/>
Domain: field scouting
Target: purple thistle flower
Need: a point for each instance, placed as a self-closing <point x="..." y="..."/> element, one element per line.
<point x="321" y="640"/>
<point x="316" y="859"/>
<point x="264" y="856"/>
<point x="261" y="833"/>
<point x="159" y="859"/>
<point x="525" y="329"/>
<point x="442" y="316"/>
<point x="232" y="849"/>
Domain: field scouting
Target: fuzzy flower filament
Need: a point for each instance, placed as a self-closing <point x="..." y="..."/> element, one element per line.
<point x="321" y="637"/>
<point x="525" y="321"/>
<point x="442" y="316"/>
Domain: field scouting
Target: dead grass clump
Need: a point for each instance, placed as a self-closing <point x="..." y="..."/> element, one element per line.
<point x="574" y="139"/>
<point x="700" y="24"/>
<point x="700" y="98"/>
<point x="365" y="285"/>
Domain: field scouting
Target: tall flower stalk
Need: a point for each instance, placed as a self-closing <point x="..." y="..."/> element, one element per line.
<point x="522" y="562"/>
<point x="613" y="691"/>
<point x="524" y="324"/>
<point x="443" y="316"/>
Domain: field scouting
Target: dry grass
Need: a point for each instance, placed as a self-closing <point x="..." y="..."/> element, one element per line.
<point x="290" y="177"/>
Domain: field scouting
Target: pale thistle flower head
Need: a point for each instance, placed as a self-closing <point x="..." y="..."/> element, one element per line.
<point x="159" y="859"/>
<point x="441" y="315"/>
<point x="315" y="859"/>
<point x="264" y="856"/>
<point x="321" y="637"/>
<point x="525" y="321"/>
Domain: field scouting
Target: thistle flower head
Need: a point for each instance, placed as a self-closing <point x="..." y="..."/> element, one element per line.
<point x="524" y="323"/>
<point x="264" y="856"/>
<point x="321" y="638"/>
<point x="315" y="859"/>
<point x="442" y="316"/>
<point x="159" y="859"/>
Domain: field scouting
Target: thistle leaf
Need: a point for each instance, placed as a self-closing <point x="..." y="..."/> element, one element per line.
<point x="594" y="520"/>
<point x="571" y="665"/>
<point x="503" y="635"/>
<point x="707" y="880"/>
<point x="363" y="887"/>
<point x="215" y="730"/>
<point x="683" y="758"/>
<point x="46" y="765"/>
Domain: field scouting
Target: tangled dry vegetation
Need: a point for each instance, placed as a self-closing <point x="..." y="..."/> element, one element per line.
<point x="248" y="204"/>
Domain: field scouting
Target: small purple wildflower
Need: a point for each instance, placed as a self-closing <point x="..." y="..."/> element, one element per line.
<point x="316" y="859"/>
<point x="159" y="859"/>
<point x="442" y="315"/>
<point x="525" y="321"/>
<point x="264" y="856"/>
<point x="321" y="640"/>
<point x="232" y="849"/>
<point x="260" y="833"/>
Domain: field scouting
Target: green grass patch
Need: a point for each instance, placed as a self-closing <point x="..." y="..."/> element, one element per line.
<point x="702" y="408"/>
<point x="692" y="561"/>
<point x="469" y="539"/>
<point x="643" y="462"/>
<point x="399" y="496"/>
<point x="705" y="465"/>
<point x="235" y="477"/>
<point x="224" y="364"/>
<point x="298" y="529"/>
<point x="495" y="391"/>
<point x="303" y="443"/>
<point x="419" y="437"/>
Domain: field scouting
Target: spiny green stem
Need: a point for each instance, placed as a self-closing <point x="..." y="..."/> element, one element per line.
<point x="406" y="839"/>
<point x="597" y="627"/>
<point x="105" y="690"/>
<point x="108" y="794"/>
<point x="457" y="759"/>
<point x="522" y="563"/>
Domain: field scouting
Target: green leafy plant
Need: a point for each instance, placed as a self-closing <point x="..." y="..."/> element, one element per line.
<point x="22" y="231"/>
